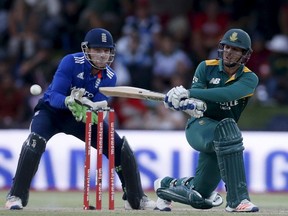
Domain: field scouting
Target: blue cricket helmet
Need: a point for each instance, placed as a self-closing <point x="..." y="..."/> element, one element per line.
<point x="98" y="38"/>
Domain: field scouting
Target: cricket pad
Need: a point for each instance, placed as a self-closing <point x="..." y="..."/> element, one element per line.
<point x="131" y="175"/>
<point x="29" y="159"/>
<point x="229" y="150"/>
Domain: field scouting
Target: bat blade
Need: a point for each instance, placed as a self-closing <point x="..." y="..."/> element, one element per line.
<point x="132" y="92"/>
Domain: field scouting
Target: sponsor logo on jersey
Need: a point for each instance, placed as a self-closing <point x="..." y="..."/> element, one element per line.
<point x="81" y="75"/>
<point x="215" y="81"/>
<point x="228" y="105"/>
<point x="79" y="60"/>
<point x="86" y="93"/>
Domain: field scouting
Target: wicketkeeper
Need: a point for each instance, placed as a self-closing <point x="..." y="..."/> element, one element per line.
<point x="225" y="85"/>
<point x="74" y="88"/>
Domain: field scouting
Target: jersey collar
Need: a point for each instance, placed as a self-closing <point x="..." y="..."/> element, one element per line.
<point x="237" y="74"/>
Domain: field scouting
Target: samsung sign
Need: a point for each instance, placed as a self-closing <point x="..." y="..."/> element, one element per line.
<point x="159" y="154"/>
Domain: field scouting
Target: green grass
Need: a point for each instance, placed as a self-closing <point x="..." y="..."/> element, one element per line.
<point x="70" y="203"/>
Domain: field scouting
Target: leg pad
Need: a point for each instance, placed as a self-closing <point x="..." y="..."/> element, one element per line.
<point x="229" y="150"/>
<point x="28" y="162"/>
<point x="131" y="175"/>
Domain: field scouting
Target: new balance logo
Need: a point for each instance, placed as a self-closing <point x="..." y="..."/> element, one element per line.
<point x="81" y="75"/>
<point x="215" y="81"/>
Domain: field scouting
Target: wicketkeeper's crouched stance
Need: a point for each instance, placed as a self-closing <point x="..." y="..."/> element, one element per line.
<point x="225" y="85"/>
<point x="125" y="166"/>
<point x="74" y="89"/>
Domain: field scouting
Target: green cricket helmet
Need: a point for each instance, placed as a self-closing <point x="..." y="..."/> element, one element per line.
<point x="236" y="38"/>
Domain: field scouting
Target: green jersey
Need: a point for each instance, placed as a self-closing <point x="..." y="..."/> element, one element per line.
<point x="226" y="96"/>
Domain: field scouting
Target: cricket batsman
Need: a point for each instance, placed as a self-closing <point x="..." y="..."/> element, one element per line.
<point x="74" y="89"/>
<point x="225" y="85"/>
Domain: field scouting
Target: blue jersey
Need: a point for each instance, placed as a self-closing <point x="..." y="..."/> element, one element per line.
<point x="74" y="71"/>
<point x="51" y="115"/>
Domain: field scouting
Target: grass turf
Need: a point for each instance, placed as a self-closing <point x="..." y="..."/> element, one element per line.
<point x="70" y="203"/>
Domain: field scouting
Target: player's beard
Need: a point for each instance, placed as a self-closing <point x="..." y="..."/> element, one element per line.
<point x="231" y="62"/>
<point x="230" y="65"/>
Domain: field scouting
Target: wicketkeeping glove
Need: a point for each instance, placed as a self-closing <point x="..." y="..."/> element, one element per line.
<point x="79" y="105"/>
<point x="75" y="94"/>
<point x="92" y="105"/>
<point x="79" y="111"/>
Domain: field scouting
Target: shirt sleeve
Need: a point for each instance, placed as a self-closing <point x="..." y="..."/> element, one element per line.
<point x="199" y="79"/>
<point x="61" y="84"/>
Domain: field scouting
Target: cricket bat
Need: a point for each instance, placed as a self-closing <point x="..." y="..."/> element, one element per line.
<point x="132" y="92"/>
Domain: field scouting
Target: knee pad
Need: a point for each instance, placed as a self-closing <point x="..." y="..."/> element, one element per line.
<point x="35" y="143"/>
<point x="227" y="137"/>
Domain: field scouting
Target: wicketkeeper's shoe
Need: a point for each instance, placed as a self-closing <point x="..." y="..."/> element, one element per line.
<point x="145" y="204"/>
<point x="244" y="206"/>
<point x="13" y="203"/>
<point x="161" y="204"/>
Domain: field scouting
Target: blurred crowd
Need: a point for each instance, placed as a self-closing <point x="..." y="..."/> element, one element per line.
<point x="159" y="44"/>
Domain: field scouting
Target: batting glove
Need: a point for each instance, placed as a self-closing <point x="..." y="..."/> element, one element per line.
<point x="193" y="107"/>
<point x="175" y="95"/>
<point x="167" y="104"/>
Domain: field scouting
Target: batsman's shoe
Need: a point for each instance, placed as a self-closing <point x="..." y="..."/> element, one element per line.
<point x="161" y="204"/>
<point x="145" y="204"/>
<point x="244" y="206"/>
<point x="215" y="199"/>
<point x="13" y="203"/>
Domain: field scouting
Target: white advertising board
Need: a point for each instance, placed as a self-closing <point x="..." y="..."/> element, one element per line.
<point x="159" y="154"/>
